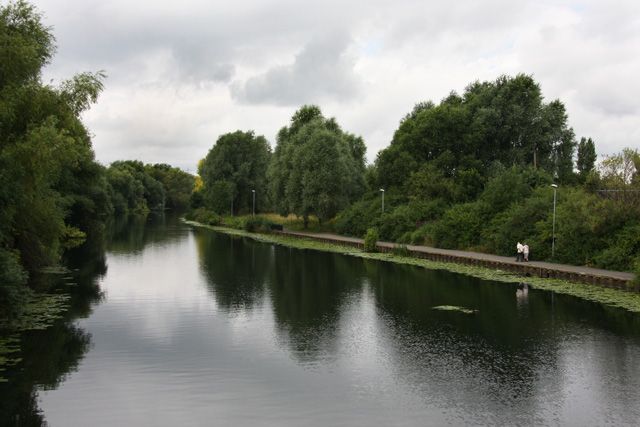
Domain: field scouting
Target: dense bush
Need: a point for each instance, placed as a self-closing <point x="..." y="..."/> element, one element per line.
<point x="234" y="222"/>
<point x="506" y="188"/>
<point x="525" y="221"/>
<point x="257" y="224"/>
<point x="402" y="251"/>
<point x="419" y="237"/>
<point x="395" y="224"/>
<point x="370" y="240"/>
<point x="460" y="227"/>
<point x="204" y="216"/>
<point x="352" y="221"/>
<point x="621" y="251"/>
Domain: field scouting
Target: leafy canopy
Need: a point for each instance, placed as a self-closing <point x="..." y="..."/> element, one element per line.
<point x="317" y="169"/>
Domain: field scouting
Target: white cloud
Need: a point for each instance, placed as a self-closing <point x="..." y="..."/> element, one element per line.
<point x="321" y="71"/>
<point x="181" y="74"/>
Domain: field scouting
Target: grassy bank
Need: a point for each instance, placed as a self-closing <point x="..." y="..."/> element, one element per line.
<point x="291" y="222"/>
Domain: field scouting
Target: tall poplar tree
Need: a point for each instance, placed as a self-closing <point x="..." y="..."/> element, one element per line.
<point x="586" y="156"/>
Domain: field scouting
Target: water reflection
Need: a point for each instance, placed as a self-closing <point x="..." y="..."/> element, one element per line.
<point x="512" y="358"/>
<point x="235" y="268"/>
<point x="310" y="291"/>
<point x="192" y="326"/>
<point x="130" y="234"/>
<point x="50" y="355"/>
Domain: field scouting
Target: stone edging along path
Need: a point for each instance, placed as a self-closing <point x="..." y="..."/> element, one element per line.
<point x="604" y="278"/>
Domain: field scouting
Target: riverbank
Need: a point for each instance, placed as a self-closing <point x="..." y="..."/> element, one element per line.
<point x="605" y="278"/>
<point x="607" y="296"/>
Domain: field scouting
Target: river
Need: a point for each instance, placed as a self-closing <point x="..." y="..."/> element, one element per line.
<point x="175" y="325"/>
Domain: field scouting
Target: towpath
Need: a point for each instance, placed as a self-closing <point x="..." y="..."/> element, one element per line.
<point x="479" y="257"/>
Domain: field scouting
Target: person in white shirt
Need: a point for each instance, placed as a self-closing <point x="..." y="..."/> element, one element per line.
<point x="520" y="249"/>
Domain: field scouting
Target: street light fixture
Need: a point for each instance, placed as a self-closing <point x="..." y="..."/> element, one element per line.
<point x="253" y="212"/>
<point x="382" y="199"/>
<point x="553" y="235"/>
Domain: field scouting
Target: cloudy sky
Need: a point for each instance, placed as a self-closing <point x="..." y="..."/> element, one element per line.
<point x="182" y="73"/>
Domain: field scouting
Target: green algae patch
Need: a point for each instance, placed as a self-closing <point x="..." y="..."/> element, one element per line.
<point x="626" y="300"/>
<point x="454" y="308"/>
<point x="40" y="313"/>
<point x="9" y="349"/>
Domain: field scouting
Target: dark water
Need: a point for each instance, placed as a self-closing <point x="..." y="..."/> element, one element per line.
<point x="180" y="326"/>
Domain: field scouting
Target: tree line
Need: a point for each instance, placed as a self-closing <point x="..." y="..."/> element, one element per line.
<point x="473" y="172"/>
<point x="53" y="194"/>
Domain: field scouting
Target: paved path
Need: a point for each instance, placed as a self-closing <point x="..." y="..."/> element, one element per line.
<point x="477" y="255"/>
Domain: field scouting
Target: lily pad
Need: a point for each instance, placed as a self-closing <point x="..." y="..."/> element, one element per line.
<point x="455" y="308"/>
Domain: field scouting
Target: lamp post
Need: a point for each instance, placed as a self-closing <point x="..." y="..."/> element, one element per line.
<point x="253" y="212"/>
<point x="382" y="199"/>
<point x="553" y="235"/>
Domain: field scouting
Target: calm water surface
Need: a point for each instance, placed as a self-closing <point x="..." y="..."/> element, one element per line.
<point x="180" y="326"/>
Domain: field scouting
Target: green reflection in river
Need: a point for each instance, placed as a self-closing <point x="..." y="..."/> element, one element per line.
<point x="48" y="356"/>
<point x="510" y="351"/>
<point x="509" y="361"/>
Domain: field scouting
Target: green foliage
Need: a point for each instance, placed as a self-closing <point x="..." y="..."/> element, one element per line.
<point x="240" y="160"/>
<point x="317" y="169"/>
<point x="621" y="251"/>
<point x="505" y="189"/>
<point x="13" y="278"/>
<point x="204" y="216"/>
<point x="393" y="225"/>
<point x="234" y="222"/>
<point x="575" y="241"/>
<point x="354" y="220"/>
<point x="26" y="44"/>
<point x="371" y="239"/>
<point x="133" y="188"/>
<point x="503" y="121"/>
<point x="460" y="227"/>
<point x="636" y="271"/>
<point x="257" y="224"/>
<point x="586" y="156"/>
<point x="621" y="172"/>
<point x="419" y="237"/>
<point x="430" y="182"/>
<point x="43" y="144"/>
<point x="220" y="196"/>
<point x="524" y="221"/>
<point x="52" y="192"/>
<point x="401" y="251"/>
<point x="177" y="184"/>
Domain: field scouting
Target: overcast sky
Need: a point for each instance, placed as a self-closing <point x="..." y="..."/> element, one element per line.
<point x="182" y="73"/>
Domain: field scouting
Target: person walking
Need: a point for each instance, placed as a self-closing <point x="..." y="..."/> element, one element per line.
<point x="525" y="252"/>
<point x="520" y="249"/>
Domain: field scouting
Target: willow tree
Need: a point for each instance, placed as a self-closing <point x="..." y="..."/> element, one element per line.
<point x="317" y="169"/>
